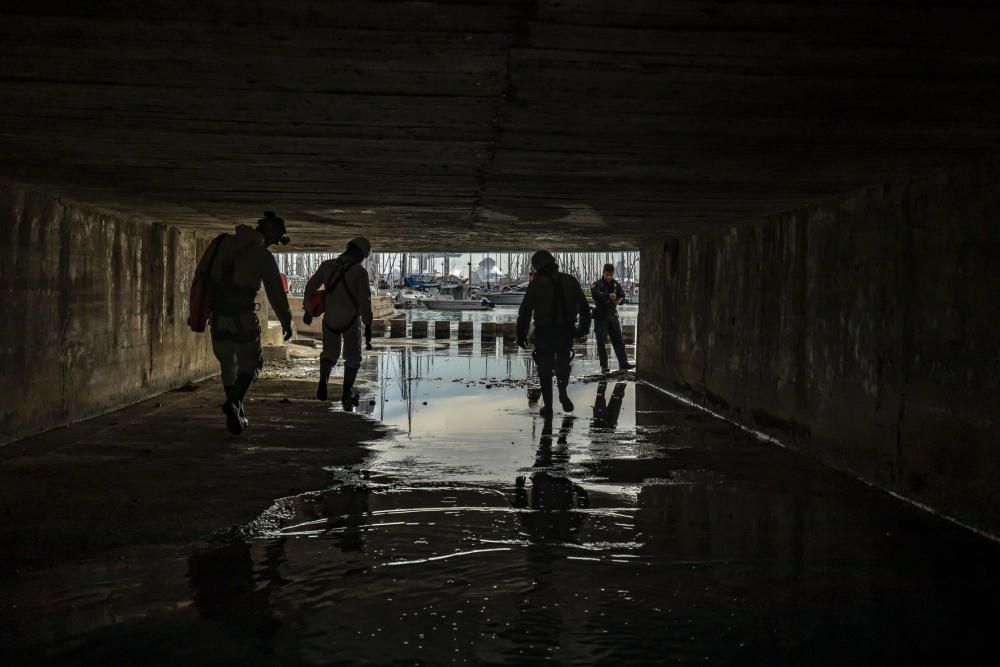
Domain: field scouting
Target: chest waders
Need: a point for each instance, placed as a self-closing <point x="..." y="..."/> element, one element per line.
<point x="326" y="365"/>
<point x="237" y="304"/>
<point x="554" y="352"/>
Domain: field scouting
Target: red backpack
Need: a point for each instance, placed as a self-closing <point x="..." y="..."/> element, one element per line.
<point x="203" y="293"/>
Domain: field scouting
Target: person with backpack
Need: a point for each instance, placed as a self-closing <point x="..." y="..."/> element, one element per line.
<point x="345" y="302"/>
<point x="561" y="313"/>
<point x="608" y="294"/>
<point x="227" y="280"/>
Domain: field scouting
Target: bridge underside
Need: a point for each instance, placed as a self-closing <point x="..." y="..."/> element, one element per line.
<point x="584" y="124"/>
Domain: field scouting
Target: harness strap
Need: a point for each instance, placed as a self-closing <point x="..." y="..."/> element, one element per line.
<point x="330" y="286"/>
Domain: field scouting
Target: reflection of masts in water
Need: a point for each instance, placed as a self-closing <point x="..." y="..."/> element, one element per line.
<point x="384" y="361"/>
<point x="411" y="370"/>
<point x="405" y="361"/>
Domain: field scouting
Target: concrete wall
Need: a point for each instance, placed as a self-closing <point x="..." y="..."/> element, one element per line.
<point x="94" y="311"/>
<point x="866" y="334"/>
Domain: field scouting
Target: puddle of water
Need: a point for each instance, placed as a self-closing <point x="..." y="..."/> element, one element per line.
<point x="467" y="417"/>
<point x="638" y="530"/>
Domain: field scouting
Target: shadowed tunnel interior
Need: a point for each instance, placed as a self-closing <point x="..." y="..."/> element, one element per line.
<point x="815" y="195"/>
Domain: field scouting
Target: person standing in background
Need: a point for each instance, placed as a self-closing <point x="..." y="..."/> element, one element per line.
<point x="608" y="294"/>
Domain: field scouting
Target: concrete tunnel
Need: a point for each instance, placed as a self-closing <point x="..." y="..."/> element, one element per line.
<point x="813" y="190"/>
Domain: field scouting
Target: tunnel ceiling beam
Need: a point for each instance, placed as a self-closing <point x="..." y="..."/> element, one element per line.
<point x="580" y="123"/>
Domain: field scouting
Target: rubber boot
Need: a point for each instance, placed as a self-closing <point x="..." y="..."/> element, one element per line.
<point x="567" y="405"/>
<point x="236" y="419"/>
<point x="546" y="410"/>
<point x="232" y="412"/>
<point x="348" y="398"/>
<point x="240" y="390"/>
<point x="325" y="366"/>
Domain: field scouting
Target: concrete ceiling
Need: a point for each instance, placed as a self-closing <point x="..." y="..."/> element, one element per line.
<point x="573" y="123"/>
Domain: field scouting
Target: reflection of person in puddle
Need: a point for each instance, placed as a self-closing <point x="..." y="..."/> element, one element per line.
<point x="606" y="413"/>
<point x="352" y="513"/>
<point x="551" y="495"/>
<point x="227" y="587"/>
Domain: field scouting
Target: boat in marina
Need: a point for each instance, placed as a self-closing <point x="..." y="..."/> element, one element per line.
<point x="409" y="298"/>
<point x="458" y="304"/>
<point x="457" y="297"/>
<point x="509" y="296"/>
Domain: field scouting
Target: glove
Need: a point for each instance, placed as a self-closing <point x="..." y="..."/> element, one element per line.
<point x="307" y="317"/>
<point x="287" y="330"/>
<point x="522" y="343"/>
<point x="581" y="332"/>
<point x="368" y="343"/>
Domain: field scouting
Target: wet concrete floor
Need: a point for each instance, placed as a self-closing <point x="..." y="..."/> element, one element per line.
<point x="636" y="530"/>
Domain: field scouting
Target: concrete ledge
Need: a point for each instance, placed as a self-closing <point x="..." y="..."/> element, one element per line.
<point x="275" y="352"/>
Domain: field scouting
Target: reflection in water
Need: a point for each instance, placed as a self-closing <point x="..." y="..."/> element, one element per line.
<point x="606" y="413"/>
<point x="482" y="533"/>
<point x="552" y="494"/>
<point x="231" y="590"/>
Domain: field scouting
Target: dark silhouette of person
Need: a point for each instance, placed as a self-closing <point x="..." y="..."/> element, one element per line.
<point x="561" y="313"/>
<point x="608" y="294"/>
<point x="347" y="304"/>
<point x="236" y="265"/>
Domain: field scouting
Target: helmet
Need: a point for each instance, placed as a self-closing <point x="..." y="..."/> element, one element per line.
<point x="273" y="228"/>
<point x="362" y="244"/>
<point x="541" y="259"/>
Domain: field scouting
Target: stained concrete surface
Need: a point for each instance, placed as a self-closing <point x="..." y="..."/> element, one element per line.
<point x="96" y="309"/>
<point x="636" y="531"/>
<point x="863" y="332"/>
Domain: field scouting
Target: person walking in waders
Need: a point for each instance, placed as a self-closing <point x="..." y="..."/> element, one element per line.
<point x="235" y="265"/>
<point x="345" y="303"/>
<point x="561" y="313"/>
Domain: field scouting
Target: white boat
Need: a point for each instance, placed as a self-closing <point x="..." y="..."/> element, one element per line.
<point x="409" y="298"/>
<point x="509" y="296"/>
<point x="457" y="298"/>
<point x="506" y="298"/>
<point x="458" y="304"/>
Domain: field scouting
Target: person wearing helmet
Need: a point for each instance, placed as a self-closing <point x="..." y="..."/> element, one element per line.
<point x="561" y="313"/>
<point x="236" y="265"/>
<point x="347" y="303"/>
